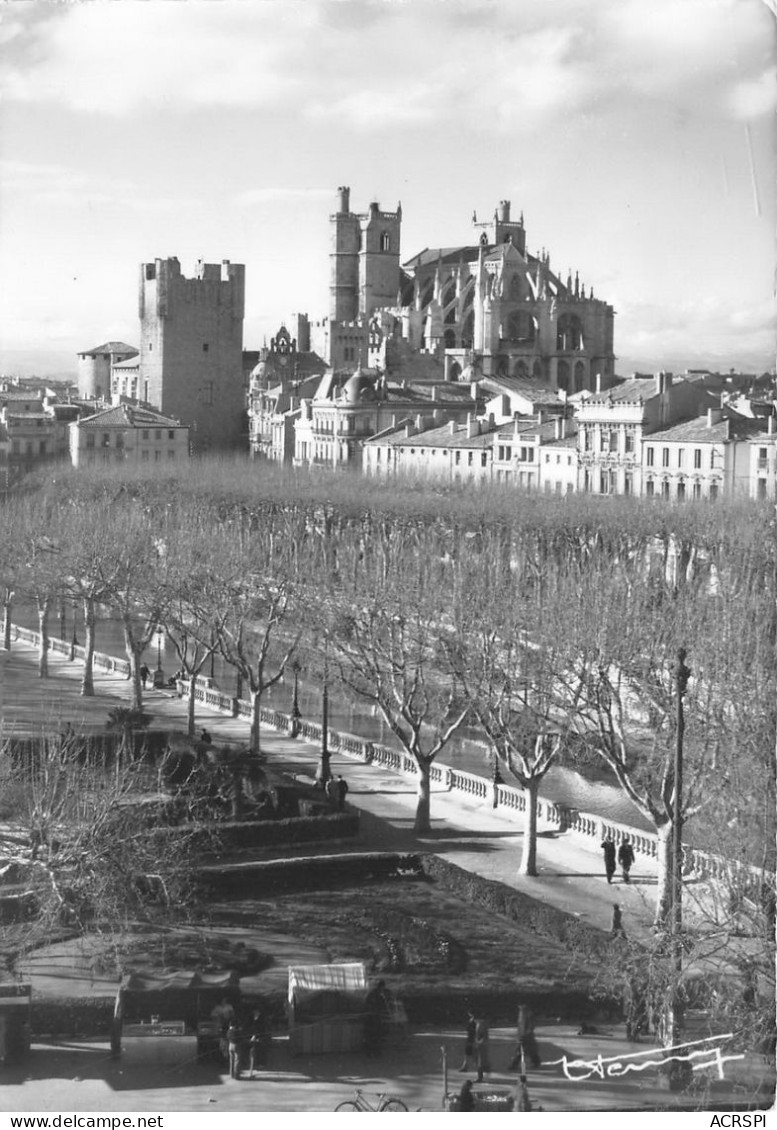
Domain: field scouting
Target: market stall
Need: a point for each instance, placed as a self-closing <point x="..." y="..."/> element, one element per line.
<point x="15" y="1009"/>
<point x="327" y="1007"/>
<point x="173" y="1017"/>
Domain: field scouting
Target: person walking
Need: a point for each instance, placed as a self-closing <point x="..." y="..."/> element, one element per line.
<point x="235" y="1046"/>
<point x="376" y="1014"/>
<point x="341" y="792"/>
<point x="482" y="1054"/>
<point x="144" y="674"/>
<point x="626" y="858"/>
<point x="616" y="930"/>
<point x="526" y="1044"/>
<point x="608" y="847"/>
<point x="469" y="1041"/>
<point x="258" y="1043"/>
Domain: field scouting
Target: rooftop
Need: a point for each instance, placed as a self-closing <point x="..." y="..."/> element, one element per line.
<point x="129" y="416"/>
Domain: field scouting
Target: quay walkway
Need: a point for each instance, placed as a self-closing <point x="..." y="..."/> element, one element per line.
<point x="466" y="829"/>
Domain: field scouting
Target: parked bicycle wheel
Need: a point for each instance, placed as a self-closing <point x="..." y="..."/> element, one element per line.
<point x="347" y="1108"/>
<point x="394" y="1106"/>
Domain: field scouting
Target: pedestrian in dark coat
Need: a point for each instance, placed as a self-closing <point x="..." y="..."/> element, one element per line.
<point x="376" y="1008"/>
<point x="608" y="847"/>
<point x="341" y="792"/>
<point x="469" y="1041"/>
<point x="258" y="1043"/>
<point x="482" y="1052"/>
<point x="616" y="930"/>
<point x="526" y="1039"/>
<point x="144" y="674"/>
<point x="466" y="1098"/>
<point x="626" y="858"/>
<point x="235" y="1044"/>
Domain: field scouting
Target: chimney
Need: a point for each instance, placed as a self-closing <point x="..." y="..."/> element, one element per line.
<point x="503" y="211"/>
<point x="598" y="382"/>
<point x="452" y="427"/>
<point x="473" y="388"/>
<point x="473" y="427"/>
<point x="558" y="427"/>
<point x="770" y="424"/>
<point x="409" y="429"/>
<point x="419" y="423"/>
<point x="540" y="417"/>
<point x="714" y="416"/>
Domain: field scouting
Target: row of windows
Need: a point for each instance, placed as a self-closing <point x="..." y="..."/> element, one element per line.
<point x="29" y="447"/>
<point x="609" y="441"/>
<point x="650" y="457"/>
<point x="145" y="456"/>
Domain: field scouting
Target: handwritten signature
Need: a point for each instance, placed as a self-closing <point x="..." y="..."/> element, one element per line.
<point x="709" y="1054"/>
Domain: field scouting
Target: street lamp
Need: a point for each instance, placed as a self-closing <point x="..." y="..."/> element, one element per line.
<point x="679" y="1073"/>
<point x="323" y="772"/>
<point x="497" y="780"/>
<point x="295" y="714"/>
<point x="159" y="675"/>
<point x="74" y="637"/>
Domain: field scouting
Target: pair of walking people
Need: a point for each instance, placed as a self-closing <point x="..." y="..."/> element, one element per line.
<point x="624" y="856"/>
<point x="476" y="1046"/>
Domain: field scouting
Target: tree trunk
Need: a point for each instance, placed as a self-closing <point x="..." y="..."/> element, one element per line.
<point x="256" y="708"/>
<point x="422" y="813"/>
<point x="664" y="891"/>
<point x="133" y="657"/>
<point x="7" y="613"/>
<point x="87" y="680"/>
<point x="529" y="853"/>
<point x="190" y="706"/>
<point x="43" y="647"/>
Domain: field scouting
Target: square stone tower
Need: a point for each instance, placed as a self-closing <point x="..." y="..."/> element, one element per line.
<point x="191" y="346"/>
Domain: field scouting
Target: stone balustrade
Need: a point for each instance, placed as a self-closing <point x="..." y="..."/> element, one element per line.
<point x="696" y="863"/>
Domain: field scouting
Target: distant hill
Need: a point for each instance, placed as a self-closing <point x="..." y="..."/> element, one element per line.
<point x="59" y="365"/>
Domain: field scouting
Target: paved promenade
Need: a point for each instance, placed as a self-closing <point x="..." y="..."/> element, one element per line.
<point x="465" y="831"/>
<point x="469" y="833"/>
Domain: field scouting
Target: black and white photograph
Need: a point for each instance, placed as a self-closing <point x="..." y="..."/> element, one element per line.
<point x="388" y="560"/>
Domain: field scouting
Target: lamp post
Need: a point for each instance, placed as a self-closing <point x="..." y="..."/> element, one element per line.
<point x="295" y="714"/>
<point x="74" y="637"/>
<point x="62" y="621"/>
<point x="159" y="675"/>
<point x="679" y="1073"/>
<point x="497" y="780"/>
<point x="323" y="772"/>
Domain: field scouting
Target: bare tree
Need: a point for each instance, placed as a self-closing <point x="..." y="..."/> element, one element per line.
<point x="252" y="611"/>
<point x="390" y="641"/>
<point x="74" y="838"/>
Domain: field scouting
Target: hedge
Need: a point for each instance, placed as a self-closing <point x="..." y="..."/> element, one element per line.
<point x="312" y="872"/>
<point x="546" y="921"/>
<point x="244" y="835"/>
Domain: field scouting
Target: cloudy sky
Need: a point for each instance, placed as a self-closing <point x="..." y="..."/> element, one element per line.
<point x="636" y="135"/>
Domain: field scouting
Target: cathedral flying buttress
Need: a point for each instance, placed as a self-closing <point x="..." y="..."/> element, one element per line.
<point x="486" y="308"/>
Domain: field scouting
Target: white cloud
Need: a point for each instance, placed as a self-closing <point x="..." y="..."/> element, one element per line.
<point x="503" y="65"/>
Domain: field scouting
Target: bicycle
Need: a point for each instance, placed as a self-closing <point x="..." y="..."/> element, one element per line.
<point x="386" y="1103"/>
